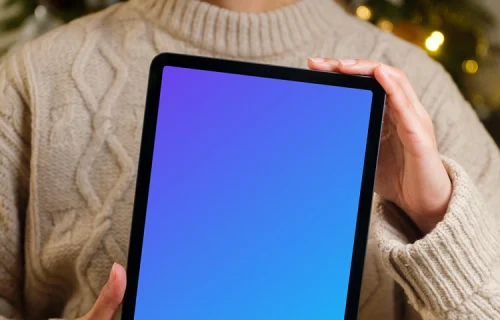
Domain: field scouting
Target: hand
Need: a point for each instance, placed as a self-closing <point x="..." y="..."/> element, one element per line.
<point x="111" y="296"/>
<point x="410" y="172"/>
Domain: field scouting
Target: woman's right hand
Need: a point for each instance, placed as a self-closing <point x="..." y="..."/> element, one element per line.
<point x="410" y="171"/>
<point x="111" y="296"/>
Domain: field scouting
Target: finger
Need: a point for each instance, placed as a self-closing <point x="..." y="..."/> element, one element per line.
<point x="367" y="67"/>
<point x="358" y="66"/>
<point x="409" y="127"/>
<point x="396" y="100"/>
<point x="404" y="84"/>
<point x="348" y="66"/>
<point x="412" y="97"/>
<point x="361" y="67"/>
<point x="111" y="295"/>
<point x="410" y="93"/>
<point x="323" y="64"/>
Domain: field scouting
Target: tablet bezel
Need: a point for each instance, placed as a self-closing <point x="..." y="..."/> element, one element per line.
<point x="265" y="71"/>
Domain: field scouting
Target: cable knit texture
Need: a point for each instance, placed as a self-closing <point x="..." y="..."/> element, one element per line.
<point x="71" y="112"/>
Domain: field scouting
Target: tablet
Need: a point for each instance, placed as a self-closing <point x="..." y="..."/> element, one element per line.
<point x="254" y="192"/>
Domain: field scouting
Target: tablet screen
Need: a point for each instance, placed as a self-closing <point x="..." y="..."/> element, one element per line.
<point x="253" y="198"/>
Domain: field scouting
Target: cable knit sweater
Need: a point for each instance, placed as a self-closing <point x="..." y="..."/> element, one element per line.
<point x="71" y="111"/>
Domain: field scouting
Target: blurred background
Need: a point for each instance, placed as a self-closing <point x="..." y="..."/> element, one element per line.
<point x="463" y="35"/>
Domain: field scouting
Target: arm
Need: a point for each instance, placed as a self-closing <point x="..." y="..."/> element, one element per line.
<point x="438" y="224"/>
<point x="454" y="271"/>
<point x="15" y="134"/>
<point x="14" y="177"/>
<point x="449" y="273"/>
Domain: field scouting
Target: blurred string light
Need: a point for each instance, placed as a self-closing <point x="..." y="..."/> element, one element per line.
<point x="385" y="25"/>
<point x="364" y="13"/>
<point x="450" y="34"/>
<point x="470" y="66"/>
<point x="434" y="41"/>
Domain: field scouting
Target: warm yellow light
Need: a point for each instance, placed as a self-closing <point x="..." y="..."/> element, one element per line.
<point x="432" y="44"/>
<point x="385" y="25"/>
<point x="364" y="13"/>
<point x="438" y="36"/>
<point x="470" y="66"/>
<point x="434" y="41"/>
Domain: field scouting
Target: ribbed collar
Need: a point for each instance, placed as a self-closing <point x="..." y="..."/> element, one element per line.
<point x="242" y="34"/>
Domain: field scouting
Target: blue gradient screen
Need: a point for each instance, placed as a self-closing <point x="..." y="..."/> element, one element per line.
<point x="253" y="198"/>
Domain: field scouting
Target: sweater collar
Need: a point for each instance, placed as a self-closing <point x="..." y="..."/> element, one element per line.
<point x="250" y="35"/>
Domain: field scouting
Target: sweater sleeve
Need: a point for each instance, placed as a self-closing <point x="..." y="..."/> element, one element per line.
<point x="14" y="180"/>
<point x="454" y="271"/>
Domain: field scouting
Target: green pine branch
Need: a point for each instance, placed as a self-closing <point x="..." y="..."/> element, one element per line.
<point x="69" y="11"/>
<point x="468" y="10"/>
<point x="25" y="9"/>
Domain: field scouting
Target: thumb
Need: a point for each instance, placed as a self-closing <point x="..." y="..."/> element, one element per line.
<point x="111" y="295"/>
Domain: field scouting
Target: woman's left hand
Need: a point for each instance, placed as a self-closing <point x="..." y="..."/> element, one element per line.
<point x="410" y="172"/>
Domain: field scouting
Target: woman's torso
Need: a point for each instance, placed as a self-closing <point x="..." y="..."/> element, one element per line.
<point x="85" y="143"/>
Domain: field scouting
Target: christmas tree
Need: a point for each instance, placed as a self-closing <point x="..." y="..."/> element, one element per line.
<point x="452" y="31"/>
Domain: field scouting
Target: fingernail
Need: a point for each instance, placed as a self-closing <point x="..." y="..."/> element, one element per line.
<point x="348" y="62"/>
<point x="112" y="274"/>
<point x="318" y="60"/>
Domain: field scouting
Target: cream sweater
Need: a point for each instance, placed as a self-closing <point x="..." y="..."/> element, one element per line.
<point x="71" y="111"/>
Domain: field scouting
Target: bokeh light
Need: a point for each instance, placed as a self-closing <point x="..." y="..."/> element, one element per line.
<point x="364" y="13"/>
